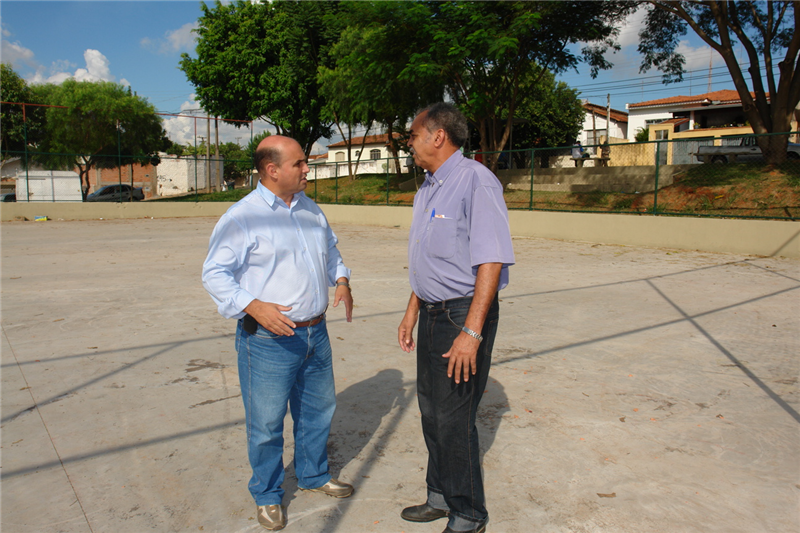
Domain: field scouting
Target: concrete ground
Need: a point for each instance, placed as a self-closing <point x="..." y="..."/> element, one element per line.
<point x="632" y="390"/>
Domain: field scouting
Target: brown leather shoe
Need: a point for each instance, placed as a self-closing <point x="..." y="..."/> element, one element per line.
<point x="335" y="488"/>
<point x="272" y="517"/>
<point x="422" y="513"/>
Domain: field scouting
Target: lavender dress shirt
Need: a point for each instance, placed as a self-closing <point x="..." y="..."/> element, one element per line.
<point x="460" y="222"/>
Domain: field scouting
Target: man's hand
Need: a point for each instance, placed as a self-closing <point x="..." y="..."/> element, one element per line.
<point x="463" y="357"/>
<point x="405" y="333"/>
<point x="343" y="294"/>
<point x="271" y="316"/>
<point x="406" y="329"/>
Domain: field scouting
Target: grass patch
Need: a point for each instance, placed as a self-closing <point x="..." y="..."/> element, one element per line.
<point x="749" y="190"/>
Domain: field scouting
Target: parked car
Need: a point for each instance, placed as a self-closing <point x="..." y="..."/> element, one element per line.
<point x="8" y="197"/>
<point x="116" y="193"/>
<point x="746" y="150"/>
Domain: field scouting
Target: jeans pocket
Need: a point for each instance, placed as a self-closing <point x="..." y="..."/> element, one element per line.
<point x="264" y="333"/>
<point x="449" y="319"/>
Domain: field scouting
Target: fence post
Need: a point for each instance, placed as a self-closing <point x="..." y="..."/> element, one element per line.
<point x="316" y="197"/>
<point x="655" y="190"/>
<point x="119" y="163"/>
<point x="336" y="184"/>
<point x="387" y="181"/>
<point x="25" y="131"/>
<point x="533" y="156"/>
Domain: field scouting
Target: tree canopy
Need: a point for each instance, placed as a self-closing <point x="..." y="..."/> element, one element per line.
<point x="101" y="125"/>
<point x="260" y="60"/>
<point x="767" y="31"/>
<point x="550" y="112"/>
<point x="365" y="82"/>
<point x="483" y="50"/>
<point x="14" y="128"/>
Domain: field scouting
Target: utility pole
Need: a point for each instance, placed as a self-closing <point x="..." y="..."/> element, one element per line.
<point x="208" y="155"/>
<point x="217" y="166"/>
<point x="608" y="118"/>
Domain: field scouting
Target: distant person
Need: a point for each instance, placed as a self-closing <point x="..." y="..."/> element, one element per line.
<point x="459" y="251"/>
<point x="605" y="153"/>
<point x="271" y="259"/>
<point x="577" y="154"/>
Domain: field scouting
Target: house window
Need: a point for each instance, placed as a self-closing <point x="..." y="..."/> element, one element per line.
<point x="662" y="134"/>
<point x="374" y="154"/>
<point x="358" y="153"/>
<point x="339" y="156"/>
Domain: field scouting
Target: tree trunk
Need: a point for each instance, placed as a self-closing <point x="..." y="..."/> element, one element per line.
<point x="84" y="177"/>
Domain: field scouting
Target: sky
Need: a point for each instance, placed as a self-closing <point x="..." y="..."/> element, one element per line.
<point x="139" y="43"/>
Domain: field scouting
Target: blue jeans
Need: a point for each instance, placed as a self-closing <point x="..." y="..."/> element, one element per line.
<point x="449" y="411"/>
<point x="274" y="371"/>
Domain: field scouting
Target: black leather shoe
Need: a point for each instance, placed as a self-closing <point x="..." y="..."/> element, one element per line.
<point x="422" y="513"/>
<point x="480" y="529"/>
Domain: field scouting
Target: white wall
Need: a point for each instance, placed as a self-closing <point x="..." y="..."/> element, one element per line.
<point x="177" y="175"/>
<point x="637" y="119"/>
<point x="385" y="152"/>
<point x="49" y="186"/>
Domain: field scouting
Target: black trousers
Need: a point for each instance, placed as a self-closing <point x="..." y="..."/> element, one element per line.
<point x="449" y="409"/>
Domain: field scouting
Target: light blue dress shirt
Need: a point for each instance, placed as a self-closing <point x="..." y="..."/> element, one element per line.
<point x="263" y="249"/>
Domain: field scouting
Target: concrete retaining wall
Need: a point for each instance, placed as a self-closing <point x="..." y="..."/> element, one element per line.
<point x="755" y="237"/>
<point x="606" y="179"/>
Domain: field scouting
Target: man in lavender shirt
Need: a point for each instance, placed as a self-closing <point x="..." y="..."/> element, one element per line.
<point x="459" y="251"/>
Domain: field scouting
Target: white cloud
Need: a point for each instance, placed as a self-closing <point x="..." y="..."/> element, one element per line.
<point x="629" y="31"/>
<point x="96" y="69"/>
<point x="16" y="54"/>
<point x="697" y="58"/>
<point x="6" y="33"/>
<point x="180" y="40"/>
<point x="181" y="129"/>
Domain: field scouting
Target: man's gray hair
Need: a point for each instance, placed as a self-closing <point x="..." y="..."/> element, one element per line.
<point x="265" y="155"/>
<point x="448" y="118"/>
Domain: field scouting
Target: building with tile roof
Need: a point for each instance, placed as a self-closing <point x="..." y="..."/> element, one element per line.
<point x="708" y="110"/>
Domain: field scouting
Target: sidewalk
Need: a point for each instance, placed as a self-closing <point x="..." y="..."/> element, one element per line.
<point x="632" y="390"/>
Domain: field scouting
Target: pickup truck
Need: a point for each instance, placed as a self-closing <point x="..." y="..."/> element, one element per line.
<point x="746" y="149"/>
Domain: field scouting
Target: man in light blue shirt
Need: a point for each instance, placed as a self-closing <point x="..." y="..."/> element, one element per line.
<point x="271" y="258"/>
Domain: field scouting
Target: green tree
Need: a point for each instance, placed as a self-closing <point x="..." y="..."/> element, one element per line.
<point x="484" y="49"/>
<point x="16" y="128"/>
<point x="365" y="81"/>
<point x="551" y="113"/>
<point x="259" y="61"/>
<point x="767" y="31"/>
<point x="98" y="123"/>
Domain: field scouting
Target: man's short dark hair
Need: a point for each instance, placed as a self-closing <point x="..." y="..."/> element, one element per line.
<point x="448" y="118"/>
<point x="266" y="155"/>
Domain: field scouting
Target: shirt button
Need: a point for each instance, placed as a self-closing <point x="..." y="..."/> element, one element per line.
<point x="440" y="182"/>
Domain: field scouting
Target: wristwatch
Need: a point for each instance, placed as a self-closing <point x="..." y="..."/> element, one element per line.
<point x="345" y="283"/>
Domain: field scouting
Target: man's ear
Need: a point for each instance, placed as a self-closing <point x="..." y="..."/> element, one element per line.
<point x="270" y="169"/>
<point x="439" y="138"/>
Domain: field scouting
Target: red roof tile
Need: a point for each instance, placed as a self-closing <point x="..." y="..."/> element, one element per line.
<point x="619" y="116"/>
<point x="371" y="139"/>
<point x="724" y="97"/>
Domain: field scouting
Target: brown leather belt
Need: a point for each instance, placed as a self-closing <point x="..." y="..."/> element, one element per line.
<point x="309" y="323"/>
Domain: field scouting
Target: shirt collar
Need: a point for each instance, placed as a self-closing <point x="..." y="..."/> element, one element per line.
<point x="270" y="197"/>
<point x="446" y="169"/>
